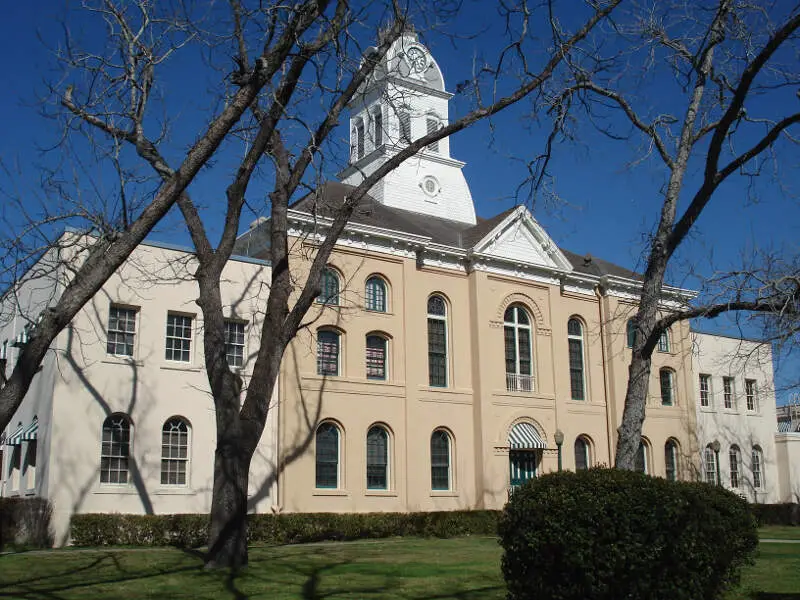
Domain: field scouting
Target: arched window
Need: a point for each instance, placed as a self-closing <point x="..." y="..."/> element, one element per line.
<point x="667" y="380"/>
<point x="375" y="294"/>
<point x="641" y="462"/>
<point x="758" y="467"/>
<point x="174" y="451"/>
<point x="575" y="341"/>
<point x="327" y="461"/>
<point x="116" y="449"/>
<point x="582" y="458"/>
<point x="329" y="284"/>
<point x="437" y="341"/>
<point x="377" y="346"/>
<point x="663" y="341"/>
<point x="735" y="459"/>
<point x="631" y="332"/>
<point x="710" y="462"/>
<point x="671" y="460"/>
<point x="440" y="460"/>
<point x="377" y="458"/>
<point x="328" y="350"/>
<point x="519" y="350"/>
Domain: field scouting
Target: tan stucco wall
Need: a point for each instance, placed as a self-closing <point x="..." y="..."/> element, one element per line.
<point x="787" y="451"/>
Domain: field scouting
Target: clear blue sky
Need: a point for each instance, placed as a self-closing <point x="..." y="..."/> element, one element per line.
<point x="607" y="207"/>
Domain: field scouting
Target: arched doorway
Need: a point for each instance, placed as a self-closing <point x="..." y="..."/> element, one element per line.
<point x="525" y="447"/>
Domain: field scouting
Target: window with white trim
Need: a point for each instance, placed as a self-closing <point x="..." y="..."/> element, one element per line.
<point x="375" y="294"/>
<point x="518" y="349"/>
<point x="641" y="462"/>
<point x="121" y="330"/>
<point x="437" y="341"/>
<point x="234" y="342"/>
<point x="671" y="460"/>
<point x="115" y="450"/>
<point x="727" y="392"/>
<point x="750" y="394"/>
<point x="710" y="463"/>
<point x="576" y="372"/>
<point x="667" y="380"/>
<point x="664" y="341"/>
<point x="377" y="458"/>
<point x="377" y="346"/>
<point x="327" y="456"/>
<point x="582" y="459"/>
<point x="757" y="458"/>
<point x="735" y="461"/>
<point x="440" y="460"/>
<point x="328" y="352"/>
<point x="174" y="452"/>
<point x="179" y="337"/>
<point x="329" y="284"/>
<point x="705" y="390"/>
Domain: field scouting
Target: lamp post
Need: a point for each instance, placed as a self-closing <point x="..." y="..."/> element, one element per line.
<point x="715" y="448"/>
<point x="559" y="438"/>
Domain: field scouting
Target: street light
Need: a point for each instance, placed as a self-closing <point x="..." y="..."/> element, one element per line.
<point x="715" y="447"/>
<point x="559" y="438"/>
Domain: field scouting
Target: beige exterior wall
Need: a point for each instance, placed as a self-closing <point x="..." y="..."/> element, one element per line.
<point x="787" y="451"/>
<point x="476" y="406"/>
<point x="92" y="385"/>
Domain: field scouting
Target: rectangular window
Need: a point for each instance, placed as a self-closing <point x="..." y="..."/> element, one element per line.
<point x="756" y="468"/>
<point x="750" y="393"/>
<point x="377" y="120"/>
<point x="576" y="369"/>
<point x="121" y="331"/>
<point x="711" y="466"/>
<point x="727" y="392"/>
<point x="360" y="139"/>
<point x="437" y="353"/>
<point x="705" y="390"/>
<point x="405" y="126"/>
<point x="663" y="342"/>
<point x="234" y="343"/>
<point x="327" y="353"/>
<point x="667" y="392"/>
<point x="433" y="126"/>
<point x="376" y="357"/>
<point x="734" y="459"/>
<point x="179" y="338"/>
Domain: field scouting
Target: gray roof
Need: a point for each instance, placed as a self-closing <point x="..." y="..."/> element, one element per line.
<point x="329" y="196"/>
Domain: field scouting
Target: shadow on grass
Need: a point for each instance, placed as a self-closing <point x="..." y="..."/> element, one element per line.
<point x="768" y="596"/>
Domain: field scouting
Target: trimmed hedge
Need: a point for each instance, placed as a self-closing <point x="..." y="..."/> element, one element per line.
<point x="25" y="523"/>
<point x="610" y="534"/>
<point x="191" y="531"/>
<point x="787" y="513"/>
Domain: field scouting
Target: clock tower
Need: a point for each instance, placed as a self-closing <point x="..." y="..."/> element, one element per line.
<point x="404" y="101"/>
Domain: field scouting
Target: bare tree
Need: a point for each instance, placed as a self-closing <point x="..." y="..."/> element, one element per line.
<point x="722" y="76"/>
<point x="297" y="68"/>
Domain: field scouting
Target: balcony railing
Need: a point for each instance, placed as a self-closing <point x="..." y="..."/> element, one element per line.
<point x="520" y="383"/>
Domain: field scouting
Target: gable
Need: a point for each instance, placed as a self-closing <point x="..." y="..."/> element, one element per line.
<point x="519" y="238"/>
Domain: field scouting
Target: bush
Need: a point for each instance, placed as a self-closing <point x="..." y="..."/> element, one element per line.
<point x="295" y="528"/>
<point x="787" y="513"/>
<point x="610" y="534"/>
<point x="25" y="523"/>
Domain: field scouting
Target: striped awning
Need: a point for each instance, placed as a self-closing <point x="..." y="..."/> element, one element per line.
<point x="15" y="439"/>
<point x="524" y="436"/>
<point x="31" y="431"/>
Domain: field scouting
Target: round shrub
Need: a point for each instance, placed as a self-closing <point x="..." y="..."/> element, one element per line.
<point x="611" y="534"/>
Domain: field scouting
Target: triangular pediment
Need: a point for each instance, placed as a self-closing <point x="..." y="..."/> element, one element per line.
<point x="519" y="238"/>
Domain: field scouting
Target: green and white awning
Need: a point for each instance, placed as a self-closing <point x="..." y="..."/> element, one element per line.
<point x="524" y="436"/>
<point x="15" y="439"/>
<point x="31" y="431"/>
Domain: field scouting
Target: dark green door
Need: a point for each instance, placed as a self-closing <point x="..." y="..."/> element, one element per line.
<point x="523" y="465"/>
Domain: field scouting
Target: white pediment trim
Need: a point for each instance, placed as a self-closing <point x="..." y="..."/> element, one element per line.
<point x="520" y="238"/>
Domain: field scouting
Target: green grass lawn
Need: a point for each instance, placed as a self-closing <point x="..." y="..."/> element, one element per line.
<point x="777" y="532"/>
<point x="407" y="568"/>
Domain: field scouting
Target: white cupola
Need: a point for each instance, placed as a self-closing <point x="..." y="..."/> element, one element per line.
<point x="404" y="101"/>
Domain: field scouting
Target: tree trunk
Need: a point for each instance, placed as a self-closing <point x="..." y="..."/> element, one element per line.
<point x="227" y="542"/>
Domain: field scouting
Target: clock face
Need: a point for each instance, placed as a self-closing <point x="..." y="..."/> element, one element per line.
<point x="416" y="59"/>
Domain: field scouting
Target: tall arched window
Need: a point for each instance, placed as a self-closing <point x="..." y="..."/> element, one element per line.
<point x="375" y="294"/>
<point x="116" y="449"/>
<point x="327" y="460"/>
<point x="328" y="351"/>
<point x="641" y="462"/>
<point x="329" y="284"/>
<point x="667" y="380"/>
<point x="735" y="459"/>
<point x="377" y="458"/>
<point x="440" y="460"/>
<point x="519" y="350"/>
<point x="631" y="332"/>
<point x="437" y="341"/>
<point x="671" y="460"/>
<point x="710" y="462"/>
<point x="582" y="459"/>
<point x="376" y="356"/>
<point x="576" y="375"/>
<point x="174" y="451"/>
<point x="758" y="467"/>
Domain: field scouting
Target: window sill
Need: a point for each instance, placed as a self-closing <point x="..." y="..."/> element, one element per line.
<point x="174" y="491"/>
<point x="372" y="311"/>
<point x="707" y="409"/>
<point x="181" y="367"/>
<point x="444" y="494"/>
<point x="324" y="492"/>
<point x="382" y="493"/>
<point x="122" y="360"/>
<point x="110" y="488"/>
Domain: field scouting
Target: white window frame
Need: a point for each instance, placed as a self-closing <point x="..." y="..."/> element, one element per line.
<point x="757" y="466"/>
<point x="111" y="456"/>
<point x="673" y="401"/>
<point x="579" y="339"/>
<point x="339" y="350"/>
<point x="176" y="460"/>
<point x="230" y="346"/>
<point x="710" y="465"/>
<point x="176" y="338"/>
<point x="444" y="319"/>
<point x="728" y="393"/>
<point x="129" y="311"/>
<point x="664" y="341"/>
<point x="735" y="465"/>
<point x="751" y="395"/>
<point x="705" y="378"/>
<point x="515" y="381"/>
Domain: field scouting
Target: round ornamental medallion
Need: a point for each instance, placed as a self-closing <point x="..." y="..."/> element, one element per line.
<point x="416" y="59"/>
<point x="430" y="185"/>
